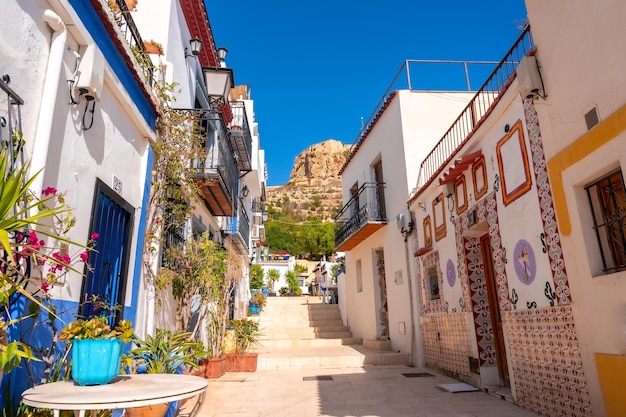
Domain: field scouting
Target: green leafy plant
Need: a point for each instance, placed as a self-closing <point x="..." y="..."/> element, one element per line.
<point x="165" y="352"/>
<point x="292" y="281"/>
<point x="96" y="328"/>
<point x="247" y="333"/>
<point x="20" y="212"/>
<point x="256" y="277"/>
<point x="283" y="291"/>
<point x="273" y="275"/>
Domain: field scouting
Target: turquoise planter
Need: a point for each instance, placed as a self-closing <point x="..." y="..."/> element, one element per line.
<point x="254" y="309"/>
<point x="95" y="361"/>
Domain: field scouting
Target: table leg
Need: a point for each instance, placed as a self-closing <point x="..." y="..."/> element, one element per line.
<point x="198" y="405"/>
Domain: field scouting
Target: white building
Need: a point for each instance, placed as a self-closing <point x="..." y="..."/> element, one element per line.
<point x="383" y="166"/>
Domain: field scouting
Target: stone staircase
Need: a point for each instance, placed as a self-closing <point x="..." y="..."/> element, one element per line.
<point x="300" y="332"/>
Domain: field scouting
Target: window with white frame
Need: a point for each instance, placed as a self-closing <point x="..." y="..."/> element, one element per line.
<point x="607" y="198"/>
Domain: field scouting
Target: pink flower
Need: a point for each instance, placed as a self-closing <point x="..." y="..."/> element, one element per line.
<point x="84" y="256"/>
<point x="95" y="235"/>
<point x="49" y="191"/>
<point x="45" y="287"/>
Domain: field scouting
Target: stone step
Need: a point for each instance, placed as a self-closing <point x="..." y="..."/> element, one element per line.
<point x="327" y="357"/>
<point x="305" y="333"/>
<point x="309" y="343"/>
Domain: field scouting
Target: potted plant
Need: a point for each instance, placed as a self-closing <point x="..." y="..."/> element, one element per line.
<point x="246" y="334"/>
<point x="257" y="302"/>
<point x="96" y="349"/>
<point x="163" y="353"/>
<point x="153" y="47"/>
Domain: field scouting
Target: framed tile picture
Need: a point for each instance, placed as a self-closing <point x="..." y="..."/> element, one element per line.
<point x="439" y="217"/>
<point x="428" y="235"/>
<point x="479" y="178"/>
<point x="460" y="194"/>
<point x="513" y="164"/>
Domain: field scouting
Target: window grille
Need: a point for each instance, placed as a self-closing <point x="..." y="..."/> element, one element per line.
<point x="607" y="198"/>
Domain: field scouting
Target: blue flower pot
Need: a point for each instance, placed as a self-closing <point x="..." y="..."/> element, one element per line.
<point x="254" y="309"/>
<point x="95" y="361"/>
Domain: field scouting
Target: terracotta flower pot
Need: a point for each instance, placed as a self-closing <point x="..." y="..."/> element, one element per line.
<point x="215" y="367"/>
<point x="246" y="362"/>
<point x="152" y="48"/>
<point x="155" y="410"/>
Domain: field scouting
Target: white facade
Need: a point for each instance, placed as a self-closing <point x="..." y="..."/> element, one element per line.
<point x="74" y="149"/>
<point x="378" y="293"/>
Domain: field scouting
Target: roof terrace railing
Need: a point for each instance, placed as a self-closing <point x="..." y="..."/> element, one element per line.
<point x="476" y="111"/>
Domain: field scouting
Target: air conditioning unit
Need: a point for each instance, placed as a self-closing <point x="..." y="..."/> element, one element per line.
<point x="528" y="77"/>
<point x="90" y="73"/>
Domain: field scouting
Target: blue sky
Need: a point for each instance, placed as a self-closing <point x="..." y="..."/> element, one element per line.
<point x="315" y="69"/>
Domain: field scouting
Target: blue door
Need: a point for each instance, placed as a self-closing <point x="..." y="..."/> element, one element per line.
<point x="112" y="220"/>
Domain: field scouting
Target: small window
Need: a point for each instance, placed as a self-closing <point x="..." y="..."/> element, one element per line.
<point x="607" y="198"/>
<point x="359" y="277"/>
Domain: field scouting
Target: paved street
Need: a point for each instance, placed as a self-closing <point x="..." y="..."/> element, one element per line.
<point x="374" y="390"/>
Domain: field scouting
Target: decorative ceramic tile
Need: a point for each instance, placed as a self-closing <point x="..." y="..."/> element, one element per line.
<point x="546" y="362"/>
<point x="446" y="342"/>
<point x="551" y="235"/>
<point x="471" y="273"/>
<point x="432" y="283"/>
<point x="479" y="302"/>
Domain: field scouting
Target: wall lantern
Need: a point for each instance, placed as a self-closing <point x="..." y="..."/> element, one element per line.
<point x="219" y="81"/>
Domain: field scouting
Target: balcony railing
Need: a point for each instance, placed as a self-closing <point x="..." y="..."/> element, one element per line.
<point x="476" y="111"/>
<point x="129" y="31"/>
<point x="215" y="172"/>
<point x="240" y="136"/>
<point x="238" y="228"/>
<point x="361" y="216"/>
<point x="258" y="206"/>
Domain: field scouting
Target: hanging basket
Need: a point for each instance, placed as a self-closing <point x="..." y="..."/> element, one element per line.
<point x="95" y="361"/>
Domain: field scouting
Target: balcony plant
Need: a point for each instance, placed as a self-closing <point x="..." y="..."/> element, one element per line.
<point x="96" y="349"/>
<point x="246" y="335"/>
<point x="153" y="47"/>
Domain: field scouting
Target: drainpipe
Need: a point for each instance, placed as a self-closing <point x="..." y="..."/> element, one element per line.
<point x="48" y="98"/>
<point x="414" y="333"/>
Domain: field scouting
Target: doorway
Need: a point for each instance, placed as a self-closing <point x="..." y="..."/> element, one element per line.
<point x="382" y="324"/>
<point x="494" y="311"/>
<point x="105" y="284"/>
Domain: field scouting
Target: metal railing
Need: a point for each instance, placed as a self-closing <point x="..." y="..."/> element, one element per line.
<point x="11" y="125"/>
<point x="239" y="228"/>
<point x="364" y="206"/>
<point x="242" y="146"/>
<point x="476" y="111"/>
<point x="406" y="78"/>
<point x="127" y="27"/>
<point x="258" y="205"/>
<point x="217" y="162"/>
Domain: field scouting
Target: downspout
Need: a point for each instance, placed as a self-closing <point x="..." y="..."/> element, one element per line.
<point x="410" y="285"/>
<point x="48" y="98"/>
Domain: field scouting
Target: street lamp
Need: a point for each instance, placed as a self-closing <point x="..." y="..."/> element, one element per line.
<point x="219" y="81"/>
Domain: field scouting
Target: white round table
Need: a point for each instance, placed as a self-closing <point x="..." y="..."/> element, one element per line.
<point x="124" y="391"/>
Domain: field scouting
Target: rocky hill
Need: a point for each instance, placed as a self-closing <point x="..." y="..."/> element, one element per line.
<point x="314" y="186"/>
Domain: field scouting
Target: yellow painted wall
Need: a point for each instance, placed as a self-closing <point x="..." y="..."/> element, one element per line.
<point x="612" y="375"/>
